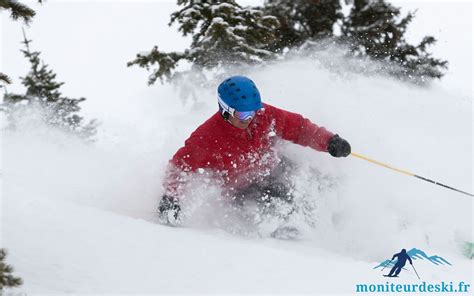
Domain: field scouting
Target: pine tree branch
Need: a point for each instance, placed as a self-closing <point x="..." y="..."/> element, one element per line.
<point x="7" y="280"/>
<point x="18" y="10"/>
<point x="5" y="78"/>
<point x="166" y="62"/>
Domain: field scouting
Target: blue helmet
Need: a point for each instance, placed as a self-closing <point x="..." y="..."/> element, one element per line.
<point x="239" y="93"/>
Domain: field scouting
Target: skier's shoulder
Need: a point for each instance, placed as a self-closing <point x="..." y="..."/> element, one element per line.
<point x="272" y="111"/>
<point x="269" y="112"/>
<point x="267" y="109"/>
<point x="207" y="130"/>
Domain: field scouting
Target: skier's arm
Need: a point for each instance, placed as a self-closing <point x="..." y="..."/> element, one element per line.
<point x="175" y="180"/>
<point x="409" y="259"/>
<point x="297" y="129"/>
<point x="186" y="160"/>
<point x="394" y="256"/>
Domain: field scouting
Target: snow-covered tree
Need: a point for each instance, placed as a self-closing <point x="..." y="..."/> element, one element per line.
<point x="7" y="280"/>
<point x="303" y="20"/>
<point x="42" y="90"/>
<point x="223" y="33"/>
<point x="374" y="28"/>
<point x="17" y="11"/>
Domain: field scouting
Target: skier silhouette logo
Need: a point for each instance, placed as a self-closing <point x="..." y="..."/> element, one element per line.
<point x="402" y="258"/>
<point x="413" y="254"/>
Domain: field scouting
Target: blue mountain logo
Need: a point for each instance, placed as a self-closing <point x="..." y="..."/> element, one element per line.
<point x="416" y="254"/>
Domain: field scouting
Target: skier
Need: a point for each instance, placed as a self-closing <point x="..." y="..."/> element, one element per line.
<point x="402" y="258"/>
<point x="236" y="143"/>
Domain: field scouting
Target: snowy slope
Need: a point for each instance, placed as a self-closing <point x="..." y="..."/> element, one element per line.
<point x="77" y="249"/>
<point x="84" y="215"/>
<point x="80" y="219"/>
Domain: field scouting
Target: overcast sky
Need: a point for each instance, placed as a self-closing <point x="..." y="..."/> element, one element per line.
<point x="87" y="43"/>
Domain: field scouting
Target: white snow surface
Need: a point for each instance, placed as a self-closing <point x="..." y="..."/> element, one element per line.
<point x="81" y="218"/>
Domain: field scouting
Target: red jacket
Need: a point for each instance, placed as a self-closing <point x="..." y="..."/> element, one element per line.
<point x="241" y="157"/>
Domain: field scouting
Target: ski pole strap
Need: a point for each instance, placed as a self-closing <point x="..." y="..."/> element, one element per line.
<point x="408" y="173"/>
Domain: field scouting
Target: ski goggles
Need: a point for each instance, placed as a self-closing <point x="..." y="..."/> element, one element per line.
<point x="244" y="115"/>
<point x="240" y="115"/>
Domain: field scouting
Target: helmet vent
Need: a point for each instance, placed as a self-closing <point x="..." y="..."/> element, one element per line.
<point x="232" y="84"/>
<point x="243" y="97"/>
<point x="237" y="89"/>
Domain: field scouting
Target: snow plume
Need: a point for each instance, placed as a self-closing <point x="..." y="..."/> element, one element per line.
<point x="355" y="208"/>
<point x="426" y="130"/>
<point x="359" y="208"/>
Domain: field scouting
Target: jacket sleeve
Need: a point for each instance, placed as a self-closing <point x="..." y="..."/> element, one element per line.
<point x="184" y="162"/>
<point x="299" y="130"/>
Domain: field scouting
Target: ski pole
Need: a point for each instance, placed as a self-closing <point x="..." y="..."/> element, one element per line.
<point x="386" y="265"/>
<point x="415" y="271"/>
<point x="408" y="173"/>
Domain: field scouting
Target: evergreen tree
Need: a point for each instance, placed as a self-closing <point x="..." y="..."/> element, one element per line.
<point x="303" y="20"/>
<point x="7" y="280"/>
<point x="17" y="10"/>
<point x="374" y="28"/>
<point x="42" y="90"/>
<point x="223" y="33"/>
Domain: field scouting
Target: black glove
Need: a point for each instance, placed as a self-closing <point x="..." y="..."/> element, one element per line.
<point x="169" y="210"/>
<point x="338" y="147"/>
